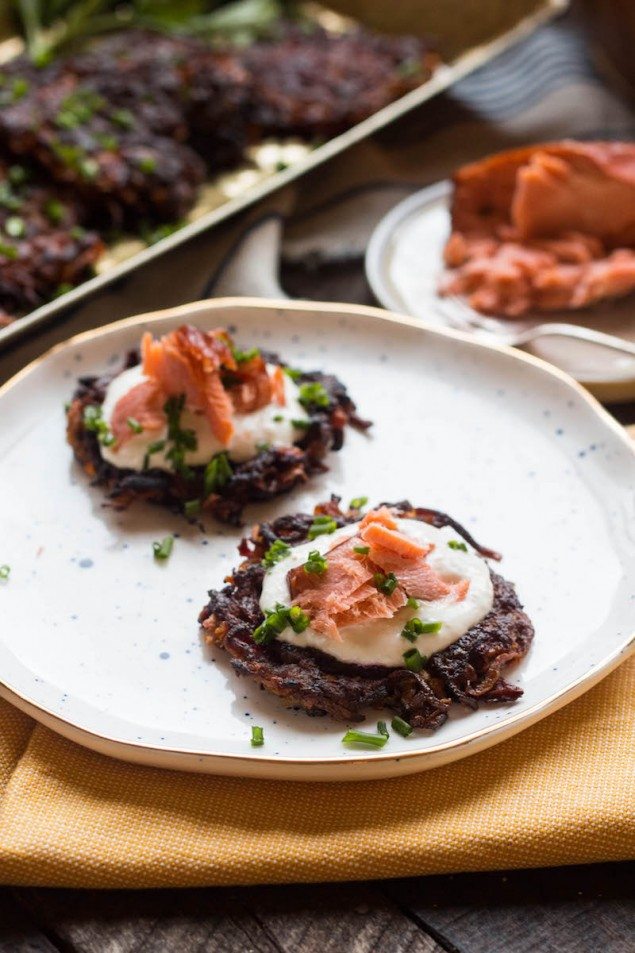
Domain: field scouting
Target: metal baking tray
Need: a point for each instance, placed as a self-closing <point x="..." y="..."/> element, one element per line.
<point x="469" y="33"/>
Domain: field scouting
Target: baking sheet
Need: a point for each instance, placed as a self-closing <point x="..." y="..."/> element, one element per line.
<point x="262" y="173"/>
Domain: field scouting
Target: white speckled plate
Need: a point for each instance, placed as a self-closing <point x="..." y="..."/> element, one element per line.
<point x="101" y="643"/>
<point x="404" y="260"/>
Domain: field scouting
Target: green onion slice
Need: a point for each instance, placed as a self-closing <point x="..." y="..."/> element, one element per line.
<point x="316" y="564"/>
<point x="364" y="738"/>
<point x="257" y="736"/>
<point x="277" y="551"/>
<point x="456" y="544"/>
<point x="163" y="549"/>
<point x="401" y="727"/>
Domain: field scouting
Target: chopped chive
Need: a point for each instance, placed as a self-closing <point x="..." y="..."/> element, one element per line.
<point x="257" y="736"/>
<point x="300" y="424"/>
<point x="9" y="251"/>
<point x="401" y="727"/>
<point x="412" y="629"/>
<point x="106" y="438"/>
<point x="163" y="549"/>
<point x="364" y="738"/>
<point x="147" y="164"/>
<point x="17" y="175"/>
<point x="385" y="582"/>
<point x="263" y="447"/>
<point x="5" y="570"/>
<point x="241" y="357"/>
<point x="15" y="227"/>
<point x="123" y="118"/>
<point x="277" y="551"/>
<point x="153" y="448"/>
<point x="382" y="729"/>
<point x="298" y="619"/>
<point x="62" y="289"/>
<point x="274" y="623"/>
<point x="218" y="473"/>
<point x="414" y="660"/>
<point x="455" y="544"/>
<point x="412" y="603"/>
<point x="313" y="394"/>
<point x="431" y="627"/>
<point x="134" y="425"/>
<point x="362" y="550"/>
<point x="192" y="508"/>
<point x="322" y="526"/>
<point x="88" y="168"/>
<point x="358" y="502"/>
<point x="292" y="373"/>
<point x="277" y="418"/>
<point x="316" y="564"/>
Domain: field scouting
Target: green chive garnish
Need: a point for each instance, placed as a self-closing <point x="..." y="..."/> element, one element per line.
<point x="362" y="550"/>
<point x="313" y="395"/>
<point x="414" y="660"/>
<point x="14" y="226"/>
<point x="364" y="738"/>
<point x="316" y="564"/>
<point x="298" y="620"/>
<point x="134" y="425"/>
<point x="382" y="729"/>
<point x="385" y="582"/>
<point x="322" y="526"/>
<point x="300" y="424"/>
<point x="9" y="251"/>
<point x="412" y="603"/>
<point x="5" y="571"/>
<point x="293" y="374"/>
<point x="218" y="473"/>
<point x="123" y="118"/>
<point x="431" y="627"/>
<point x="358" y="502"/>
<point x="401" y="727"/>
<point x="192" y="508"/>
<point x="274" y="623"/>
<point x="153" y="448"/>
<point x="277" y="551"/>
<point x="241" y="357"/>
<point x="277" y="418"/>
<point x="163" y="549"/>
<point x="147" y="164"/>
<point x="455" y="544"/>
<point x="257" y="736"/>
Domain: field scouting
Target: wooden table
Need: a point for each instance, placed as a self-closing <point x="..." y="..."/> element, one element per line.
<point x="562" y="910"/>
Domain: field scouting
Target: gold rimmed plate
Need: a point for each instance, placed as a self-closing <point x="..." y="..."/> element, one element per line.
<point x="101" y="643"/>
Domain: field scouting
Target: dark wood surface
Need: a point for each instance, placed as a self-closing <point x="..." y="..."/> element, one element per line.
<point x="562" y="910"/>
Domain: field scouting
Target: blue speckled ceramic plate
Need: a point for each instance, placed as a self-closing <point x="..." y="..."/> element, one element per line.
<point x="101" y="643"/>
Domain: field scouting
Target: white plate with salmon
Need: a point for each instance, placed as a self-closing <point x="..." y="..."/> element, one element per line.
<point x="536" y="235"/>
<point x="453" y="573"/>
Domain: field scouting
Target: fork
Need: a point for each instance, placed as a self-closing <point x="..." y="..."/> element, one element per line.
<point x="464" y="318"/>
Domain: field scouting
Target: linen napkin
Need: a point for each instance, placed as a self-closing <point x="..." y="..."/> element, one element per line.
<point x="560" y="792"/>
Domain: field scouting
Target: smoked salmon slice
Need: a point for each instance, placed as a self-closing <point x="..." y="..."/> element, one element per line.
<point x="188" y="361"/>
<point x="545" y="227"/>
<point x="143" y="404"/>
<point x="347" y="593"/>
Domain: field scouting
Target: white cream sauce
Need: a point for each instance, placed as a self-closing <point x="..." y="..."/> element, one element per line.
<point x="250" y="430"/>
<point x="380" y="642"/>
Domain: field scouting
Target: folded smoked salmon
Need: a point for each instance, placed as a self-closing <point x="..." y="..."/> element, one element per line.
<point x="543" y="228"/>
<point x="336" y="613"/>
<point x="200" y="426"/>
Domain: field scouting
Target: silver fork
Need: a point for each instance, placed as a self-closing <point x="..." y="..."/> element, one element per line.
<point x="464" y="318"/>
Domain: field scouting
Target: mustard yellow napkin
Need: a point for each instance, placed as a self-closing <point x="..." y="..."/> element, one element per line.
<point x="559" y="793"/>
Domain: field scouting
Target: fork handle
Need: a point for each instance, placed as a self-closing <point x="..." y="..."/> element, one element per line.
<point x="581" y="334"/>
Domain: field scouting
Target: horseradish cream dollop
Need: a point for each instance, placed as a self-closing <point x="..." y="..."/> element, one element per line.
<point x="271" y="425"/>
<point x="379" y="641"/>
